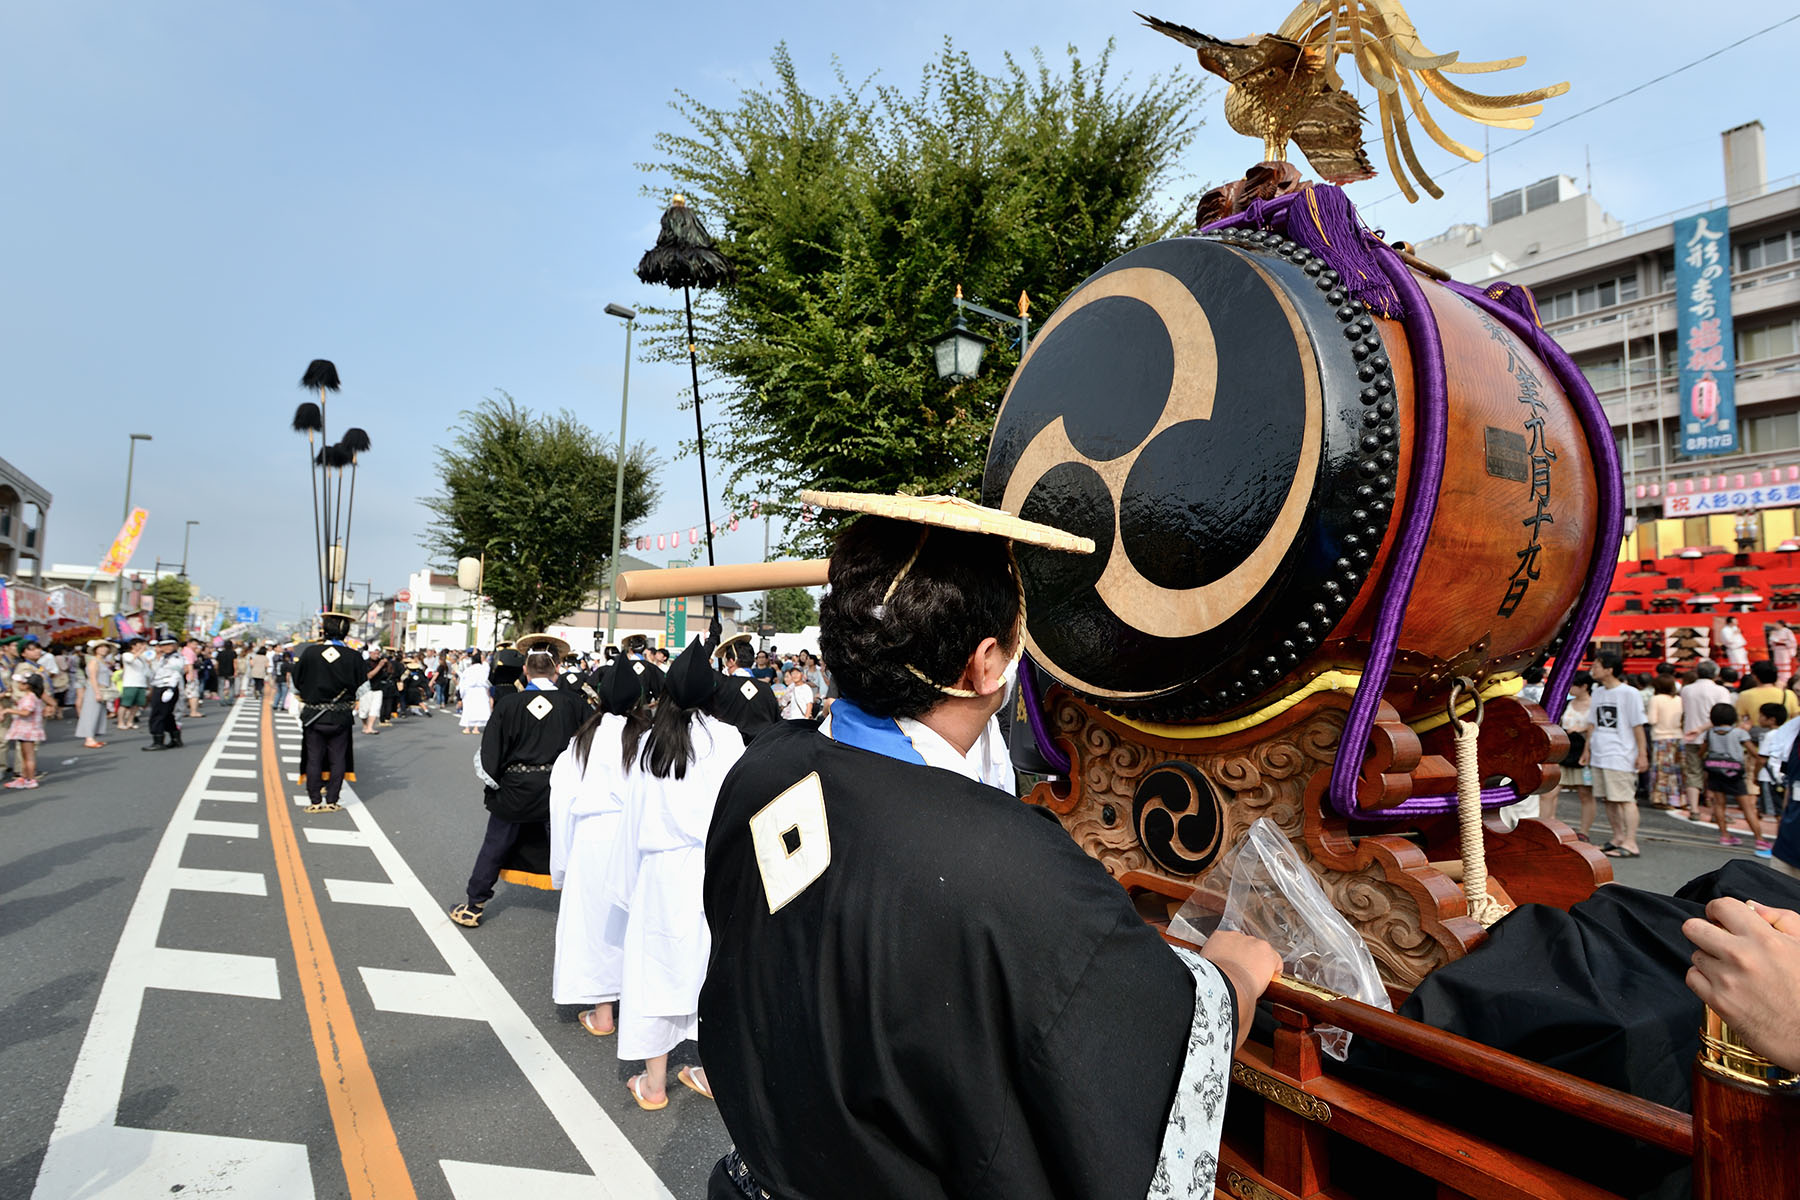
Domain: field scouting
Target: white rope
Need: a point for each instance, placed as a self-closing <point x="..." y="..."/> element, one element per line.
<point x="1482" y="906"/>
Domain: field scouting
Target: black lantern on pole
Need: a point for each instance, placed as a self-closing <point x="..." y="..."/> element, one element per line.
<point x="685" y="257"/>
<point x="959" y="352"/>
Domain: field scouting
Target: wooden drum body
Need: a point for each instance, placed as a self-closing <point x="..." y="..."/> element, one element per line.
<point x="1241" y="439"/>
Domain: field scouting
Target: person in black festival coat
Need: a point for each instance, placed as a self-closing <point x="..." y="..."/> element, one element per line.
<point x="325" y="679"/>
<point x="740" y="700"/>
<point x="529" y="729"/>
<point x="920" y="986"/>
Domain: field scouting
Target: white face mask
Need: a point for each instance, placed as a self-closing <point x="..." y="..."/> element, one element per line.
<point x="1010" y="676"/>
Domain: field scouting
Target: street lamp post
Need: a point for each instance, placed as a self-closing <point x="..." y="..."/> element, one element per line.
<point x="186" y="534"/>
<point x="130" y="462"/>
<point x="611" y="594"/>
<point x="959" y="352"/>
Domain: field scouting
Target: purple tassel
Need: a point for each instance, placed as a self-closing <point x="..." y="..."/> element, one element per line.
<point x="1322" y="219"/>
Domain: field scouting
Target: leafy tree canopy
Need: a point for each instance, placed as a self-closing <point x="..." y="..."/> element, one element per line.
<point x="170" y="596"/>
<point x="852" y="217"/>
<point x="535" y="493"/>
<point x="791" y="609"/>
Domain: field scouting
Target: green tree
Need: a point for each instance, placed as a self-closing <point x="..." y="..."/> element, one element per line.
<point x="534" y="492"/>
<point x="791" y="609"/>
<point x="853" y="217"/>
<point x="169" y="597"/>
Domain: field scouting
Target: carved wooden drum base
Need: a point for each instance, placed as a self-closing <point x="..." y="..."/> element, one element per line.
<point x="1158" y="811"/>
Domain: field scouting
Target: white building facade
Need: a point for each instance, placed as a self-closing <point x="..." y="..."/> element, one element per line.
<point x="1607" y="294"/>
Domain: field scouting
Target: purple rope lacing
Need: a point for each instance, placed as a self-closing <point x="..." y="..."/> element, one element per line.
<point x="1040" y="733"/>
<point x="1432" y="402"/>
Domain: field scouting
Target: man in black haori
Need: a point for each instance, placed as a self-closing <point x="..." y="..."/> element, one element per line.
<point x="739" y="699"/>
<point x="326" y="678"/>
<point x="920" y="986"/>
<point x="530" y="727"/>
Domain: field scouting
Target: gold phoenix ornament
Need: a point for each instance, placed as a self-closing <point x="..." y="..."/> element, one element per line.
<point x="1285" y="87"/>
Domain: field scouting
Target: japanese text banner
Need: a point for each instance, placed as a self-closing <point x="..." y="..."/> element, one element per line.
<point x="1707" y="352"/>
<point x="124" y="545"/>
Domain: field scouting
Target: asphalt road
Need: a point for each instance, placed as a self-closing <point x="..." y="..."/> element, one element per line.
<point x="153" y="984"/>
<point x="185" y="1022"/>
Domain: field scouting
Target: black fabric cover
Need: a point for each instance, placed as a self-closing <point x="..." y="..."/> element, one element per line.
<point x="962" y="1004"/>
<point x="1599" y="992"/>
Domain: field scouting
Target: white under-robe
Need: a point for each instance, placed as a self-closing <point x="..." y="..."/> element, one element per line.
<point x="655" y="885"/>
<point x="586" y="808"/>
<point x="478" y="704"/>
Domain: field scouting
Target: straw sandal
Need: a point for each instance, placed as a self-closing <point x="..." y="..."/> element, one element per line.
<point x="631" y="1085"/>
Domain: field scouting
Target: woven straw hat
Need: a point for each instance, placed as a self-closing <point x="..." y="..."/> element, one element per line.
<point x="949" y="512"/>
<point x="543" y="642"/>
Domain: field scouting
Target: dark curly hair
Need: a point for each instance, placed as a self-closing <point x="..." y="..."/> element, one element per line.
<point x="959" y="589"/>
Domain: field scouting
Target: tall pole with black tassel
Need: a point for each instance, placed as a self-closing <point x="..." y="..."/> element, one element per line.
<point x="354" y="444"/>
<point x="321" y="375"/>
<point x="685" y="257"/>
<point x="310" y="421"/>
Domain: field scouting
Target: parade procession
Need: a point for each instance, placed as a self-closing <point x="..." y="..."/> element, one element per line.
<point x="1300" y="704"/>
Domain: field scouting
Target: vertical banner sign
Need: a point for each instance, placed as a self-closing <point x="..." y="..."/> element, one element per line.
<point x="124" y="545"/>
<point x="675" y="623"/>
<point x="1708" y="353"/>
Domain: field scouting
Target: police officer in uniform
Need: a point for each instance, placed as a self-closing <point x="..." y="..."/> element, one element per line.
<point x="167" y="675"/>
<point x="325" y="678"/>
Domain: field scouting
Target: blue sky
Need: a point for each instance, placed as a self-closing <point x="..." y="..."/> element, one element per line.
<point x="443" y="197"/>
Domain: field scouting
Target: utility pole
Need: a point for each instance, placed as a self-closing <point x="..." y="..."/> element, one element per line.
<point x="763" y="617"/>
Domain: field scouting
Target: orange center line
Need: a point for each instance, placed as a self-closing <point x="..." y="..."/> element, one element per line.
<point x="373" y="1164"/>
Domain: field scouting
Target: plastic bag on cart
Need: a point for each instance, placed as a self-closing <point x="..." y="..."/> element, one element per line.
<point x="1262" y="888"/>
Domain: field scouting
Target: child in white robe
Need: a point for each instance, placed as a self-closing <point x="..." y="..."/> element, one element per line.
<point x="586" y="809"/>
<point x="659" y="867"/>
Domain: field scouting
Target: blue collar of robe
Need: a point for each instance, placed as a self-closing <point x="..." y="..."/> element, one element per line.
<point x="879" y="735"/>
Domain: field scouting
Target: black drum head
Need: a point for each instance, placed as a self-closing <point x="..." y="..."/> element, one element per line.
<point x="1198" y="408"/>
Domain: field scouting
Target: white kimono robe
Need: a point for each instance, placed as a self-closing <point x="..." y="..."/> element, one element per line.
<point x="478" y="705"/>
<point x="586" y="808"/>
<point x="659" y="867"/>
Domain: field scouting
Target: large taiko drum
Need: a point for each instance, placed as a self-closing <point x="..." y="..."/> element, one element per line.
<point x="1236" y="433"/>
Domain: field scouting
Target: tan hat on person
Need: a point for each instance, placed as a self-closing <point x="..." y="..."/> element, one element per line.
<point x="950" y="512"/>
<point x="542" y="643"/>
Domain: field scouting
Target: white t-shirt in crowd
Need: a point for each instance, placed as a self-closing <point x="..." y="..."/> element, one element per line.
<point x="797" y="704"/>
<point x="1617" y="712"/>
<point x="135" y="672"/>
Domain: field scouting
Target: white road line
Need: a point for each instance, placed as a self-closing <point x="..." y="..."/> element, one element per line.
<point x="290" y="760"/>
<point x="232" y="773"/>
<point x="302" y="799"/>
<point x="225" y="829"/>
<point x="250" y="757"/>
<point x="418" y="992"/>
<point x="237" y="883"/>
<point x="482" y="1181"/>
<point x="251" y="975"/>
<point x="334" y="837"/>
<point x="363" y="891"/>
<point x="620" y="1172"/>
<point x="89" y="1154"/>
<point x="238" y="797"/>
